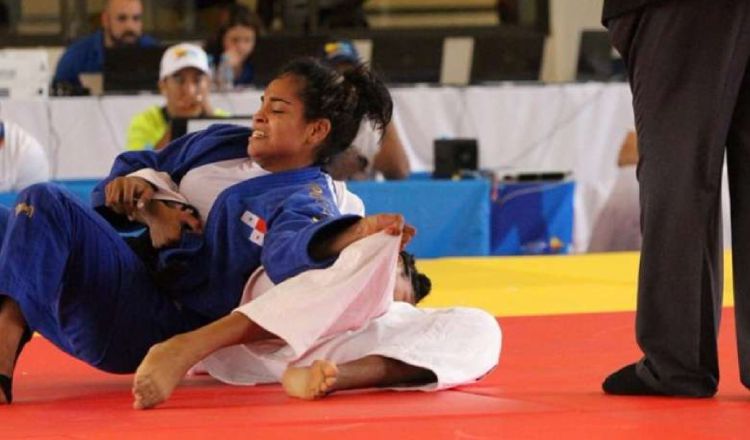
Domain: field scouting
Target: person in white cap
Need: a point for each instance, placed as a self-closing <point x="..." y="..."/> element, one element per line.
<point x="185" y="81"/>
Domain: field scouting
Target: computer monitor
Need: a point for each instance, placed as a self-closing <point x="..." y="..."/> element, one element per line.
<point x="131" y="69"/>
<point x="402" y="58"/>
<point x="597" y="60"/>
<point x="507" y="56"/>
<point x="183" y="126"/>
<point x="275" y="51"/>
<point x="454" y="156"/>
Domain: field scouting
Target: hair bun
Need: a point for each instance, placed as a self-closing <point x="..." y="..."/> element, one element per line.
<point x="342" y="99"/>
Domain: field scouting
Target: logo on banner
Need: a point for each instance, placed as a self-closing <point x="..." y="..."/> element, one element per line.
<point x="258" y="226"/>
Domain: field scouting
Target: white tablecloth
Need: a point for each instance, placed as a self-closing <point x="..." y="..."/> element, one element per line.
<point x="576" y="127"/>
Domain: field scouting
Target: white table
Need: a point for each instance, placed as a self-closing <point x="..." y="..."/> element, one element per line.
<point x="577" y="127"/>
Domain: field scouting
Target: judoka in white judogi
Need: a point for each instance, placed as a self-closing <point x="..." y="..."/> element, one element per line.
<point x="346" y="312"/>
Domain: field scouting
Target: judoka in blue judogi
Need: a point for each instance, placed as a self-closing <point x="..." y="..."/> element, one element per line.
<point x="80" y="285"/>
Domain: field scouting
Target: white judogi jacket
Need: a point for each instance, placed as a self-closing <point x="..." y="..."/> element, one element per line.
<point x="346" y="312"/>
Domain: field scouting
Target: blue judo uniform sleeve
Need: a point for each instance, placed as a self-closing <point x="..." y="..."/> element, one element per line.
<point x="304" y="220"/>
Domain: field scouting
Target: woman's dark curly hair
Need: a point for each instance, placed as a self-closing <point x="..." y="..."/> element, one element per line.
<point x="344" y="99"/>
<point x="420" y="283"/>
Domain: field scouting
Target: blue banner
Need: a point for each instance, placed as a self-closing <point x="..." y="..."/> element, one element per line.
<point x="452" y="217"/>
<point x="532" y="218"/>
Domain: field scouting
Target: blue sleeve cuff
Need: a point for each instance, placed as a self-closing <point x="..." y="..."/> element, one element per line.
<point x="284" y="264"/>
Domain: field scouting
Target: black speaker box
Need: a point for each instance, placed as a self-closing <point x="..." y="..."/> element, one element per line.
<point x="454" y="156"/>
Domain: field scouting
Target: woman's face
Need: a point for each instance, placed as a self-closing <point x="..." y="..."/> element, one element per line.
<point x="240" y="40"/>
<point x="282" y="138"/>
<point x="403" y="290"/>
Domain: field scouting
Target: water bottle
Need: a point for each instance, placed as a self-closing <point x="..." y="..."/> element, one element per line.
<point x="225" y="75"/>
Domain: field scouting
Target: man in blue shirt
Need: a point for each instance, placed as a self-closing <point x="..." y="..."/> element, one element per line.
<point x="122" y="25"/>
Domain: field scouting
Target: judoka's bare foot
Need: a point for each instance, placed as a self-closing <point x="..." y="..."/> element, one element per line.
<point x="311" y="382"/>
<point x="161" y="371"/>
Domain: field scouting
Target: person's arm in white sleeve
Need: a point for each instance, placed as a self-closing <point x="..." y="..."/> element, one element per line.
<point x="32" y="165"/>
<point x="391" y="159"/>
<point x="347" y="201"/>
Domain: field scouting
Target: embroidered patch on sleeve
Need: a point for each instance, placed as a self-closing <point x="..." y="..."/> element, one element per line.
<point x="317" y="194"/>
<point x="23" y="208"/>
<point x="257" y="225"/>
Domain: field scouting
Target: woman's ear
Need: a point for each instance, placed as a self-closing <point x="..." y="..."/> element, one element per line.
<point x="163" y="86"/>
<point x="319" y="130"/>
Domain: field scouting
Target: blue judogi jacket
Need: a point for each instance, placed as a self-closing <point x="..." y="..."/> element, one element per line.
<point x="269" y="220"/>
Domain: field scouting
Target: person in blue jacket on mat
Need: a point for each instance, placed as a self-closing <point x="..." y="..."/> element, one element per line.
<point x="256" y="198"/>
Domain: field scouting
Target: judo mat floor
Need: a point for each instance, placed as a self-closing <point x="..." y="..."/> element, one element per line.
<point x="567" y="322"/>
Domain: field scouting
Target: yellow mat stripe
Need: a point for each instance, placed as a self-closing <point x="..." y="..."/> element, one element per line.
<point x="541" y="285"/>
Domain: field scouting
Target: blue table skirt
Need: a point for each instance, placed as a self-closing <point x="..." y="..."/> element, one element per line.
<point x="452" y="217"/>
<point x="458" y="218"/>
<point x="82" y="188"/>
<point x="532" y="218"/>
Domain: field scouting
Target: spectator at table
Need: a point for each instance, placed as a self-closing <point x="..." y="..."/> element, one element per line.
<point x="185" y="82"/>
<point x="22" y="158"/>
<point x="234" y="42"/>
<point x="122" y="25"/>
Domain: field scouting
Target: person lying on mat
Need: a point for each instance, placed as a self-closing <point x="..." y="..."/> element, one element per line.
<point x="256" y="200"/>
<point x="332" y="329"/>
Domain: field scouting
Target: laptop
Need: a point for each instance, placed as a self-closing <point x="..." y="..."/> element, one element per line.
<point x="183" y="126"/>
<point x="401" y="58"/>
<point x="507" y="56"/>
<point x="274" y="51"/>
<point x="130" y="70"/>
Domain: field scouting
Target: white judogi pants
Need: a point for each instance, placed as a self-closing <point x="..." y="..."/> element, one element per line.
<point x="347" y="312"/>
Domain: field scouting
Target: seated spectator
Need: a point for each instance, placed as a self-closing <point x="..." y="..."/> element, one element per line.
<point x="618" y="227"/>
<point x="184" y="80"/>
<point x="235" y="42"/>
<point x="22" y="159"/>
<point x="374" y="154"/>
<point x="122" y="25"/>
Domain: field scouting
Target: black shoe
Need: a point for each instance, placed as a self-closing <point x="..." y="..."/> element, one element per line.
<point x="625" y="382"/>
<point x="6" y="383"/>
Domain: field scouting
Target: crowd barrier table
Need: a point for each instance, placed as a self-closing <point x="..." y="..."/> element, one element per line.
<point x="571" y="127"/>
<point x="453" y="218"/>
<point x="532" y="218"/>
<point x="470" y="218"/>
<point x="80" y="187"/>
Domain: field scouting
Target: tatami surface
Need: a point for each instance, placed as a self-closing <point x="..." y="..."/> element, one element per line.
<point x="567" y="322"/>
<point x="542" y="285"/>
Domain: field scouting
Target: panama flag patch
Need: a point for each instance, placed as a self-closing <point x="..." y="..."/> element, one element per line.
<point x="257" y="224"/>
